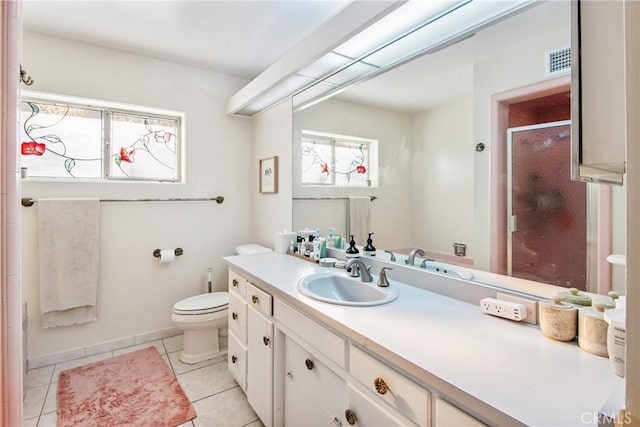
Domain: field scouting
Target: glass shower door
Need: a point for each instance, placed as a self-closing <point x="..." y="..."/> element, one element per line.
<point x="547" y="240"/>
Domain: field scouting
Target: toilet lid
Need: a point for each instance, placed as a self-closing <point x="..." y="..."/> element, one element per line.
<point x="203" y="302"/>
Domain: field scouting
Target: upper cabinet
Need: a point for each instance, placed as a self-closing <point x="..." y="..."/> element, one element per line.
<point x="598" y="91"/>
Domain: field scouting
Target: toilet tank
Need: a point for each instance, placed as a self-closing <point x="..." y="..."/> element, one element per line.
<point x="251" y="248"/>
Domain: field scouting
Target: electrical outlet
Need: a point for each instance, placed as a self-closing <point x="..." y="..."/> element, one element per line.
<point x="532" y="306"/>
<point x="506" y="309"/>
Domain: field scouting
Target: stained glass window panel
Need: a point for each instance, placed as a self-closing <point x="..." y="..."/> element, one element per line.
<point x="143" y="147"/>
<point x="317" y="159"/>
<point x="336" y="160"/>
<point x="66" y="137"/>
<point x="352" y="163"/>
<point x="60" y="141"/>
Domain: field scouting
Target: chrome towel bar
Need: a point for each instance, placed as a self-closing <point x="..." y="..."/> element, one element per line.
<point x="28" y="201"/>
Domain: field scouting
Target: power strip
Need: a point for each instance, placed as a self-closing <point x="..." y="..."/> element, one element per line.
<point x="505" y="309"/>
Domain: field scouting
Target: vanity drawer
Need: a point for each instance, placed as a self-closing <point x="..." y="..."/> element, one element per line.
<point x="238" y="317"/>
<point x="369" y="413"/>
<point x="259" y="299"/>
<point x="237" y="283"/>
<point x="306" y="373"/>
<point x="407" y="397"/>
<point x="237" y="360"/>
<point x="448" y="415"/>
<point x="329" y="344"/>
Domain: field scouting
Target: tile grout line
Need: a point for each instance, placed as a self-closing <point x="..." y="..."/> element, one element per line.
<point x="215" y="394"/>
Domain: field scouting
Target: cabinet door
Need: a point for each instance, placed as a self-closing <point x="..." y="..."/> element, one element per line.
<point x="302" y="410"/>
<point x="238" y="317"/>
<point x="362" y="411"/>
<point x="260" y="365"/>
<point x="448" y="415"/>
<point x="310" y="387"/>
<point x="598" y="91"/>
<point x="237" y="360"/>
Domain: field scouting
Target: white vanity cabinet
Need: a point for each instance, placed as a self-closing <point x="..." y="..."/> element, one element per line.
<point x="329" y="382"/>
<point x="250" y="357"/>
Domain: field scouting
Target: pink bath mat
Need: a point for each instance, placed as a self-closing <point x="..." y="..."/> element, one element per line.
<point x="134" y="389"/>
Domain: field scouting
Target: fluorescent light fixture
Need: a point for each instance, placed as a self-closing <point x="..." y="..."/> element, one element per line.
<point x="418" y="27"/>
<point x="394" y="25"/>
<point x="453" y="25"/>
<point x="456" y="26"/>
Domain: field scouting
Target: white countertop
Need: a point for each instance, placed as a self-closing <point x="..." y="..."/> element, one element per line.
<point x="450" y="344"/>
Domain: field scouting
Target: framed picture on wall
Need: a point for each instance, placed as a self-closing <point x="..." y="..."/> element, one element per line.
<point x="269" y="175"/>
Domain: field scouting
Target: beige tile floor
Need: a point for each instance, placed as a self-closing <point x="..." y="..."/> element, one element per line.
<point x="216" y="397"/>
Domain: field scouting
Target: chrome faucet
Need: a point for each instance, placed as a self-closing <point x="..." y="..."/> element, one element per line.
<point x="392" y="256"/>
<point x="412" y="256"/>
<point x="356" y="268"/>
<point x="424" y="262"/>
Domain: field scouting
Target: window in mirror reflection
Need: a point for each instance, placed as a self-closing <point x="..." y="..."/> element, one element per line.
<point x="338" y="160"/>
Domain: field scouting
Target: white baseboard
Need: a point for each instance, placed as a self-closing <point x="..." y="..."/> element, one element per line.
<point x="90" y="350"/>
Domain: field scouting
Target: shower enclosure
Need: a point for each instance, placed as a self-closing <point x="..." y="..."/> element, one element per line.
<point x="546" y="211"/>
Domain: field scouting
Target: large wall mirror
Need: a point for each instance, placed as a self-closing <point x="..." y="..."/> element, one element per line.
<point x="472" y="159"/>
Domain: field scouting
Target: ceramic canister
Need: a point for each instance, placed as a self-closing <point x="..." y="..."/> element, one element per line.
<point x="558" y="320"/>
<point x="592" y="329"/>
<point x="574" y="296"/>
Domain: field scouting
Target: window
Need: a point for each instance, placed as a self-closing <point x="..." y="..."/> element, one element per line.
<point x="338" y="160"/>
<point x="74" y="138"/>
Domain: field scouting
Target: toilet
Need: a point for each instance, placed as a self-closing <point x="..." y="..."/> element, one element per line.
<point x="203" y="318"/>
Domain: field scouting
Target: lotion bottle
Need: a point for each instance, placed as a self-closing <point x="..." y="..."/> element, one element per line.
<point x="369" y="249"/>
<point x="352" y="251"/>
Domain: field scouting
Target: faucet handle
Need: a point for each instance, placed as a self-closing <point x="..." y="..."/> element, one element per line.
<point x="353" y="270"/>
<point x="382" y="280"/>
<point x="392" y="256"/>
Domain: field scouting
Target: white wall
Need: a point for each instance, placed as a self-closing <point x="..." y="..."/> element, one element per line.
<point x="392" y="130"/>
<point x="442" y="210"/>
<point x="518" y="62"/>
<point x="271" y="137"/>
<point x="136" y="293"/>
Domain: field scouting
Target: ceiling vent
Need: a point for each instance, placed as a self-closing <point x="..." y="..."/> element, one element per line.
<point x="558" y="62"/>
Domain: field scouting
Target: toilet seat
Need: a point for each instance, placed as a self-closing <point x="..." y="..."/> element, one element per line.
<point x="202" y="304"/>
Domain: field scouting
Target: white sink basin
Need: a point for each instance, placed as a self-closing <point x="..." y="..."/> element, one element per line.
<point x="338" y="288"/>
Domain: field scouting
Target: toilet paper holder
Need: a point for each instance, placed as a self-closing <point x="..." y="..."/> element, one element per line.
<point x="177" y="252"/>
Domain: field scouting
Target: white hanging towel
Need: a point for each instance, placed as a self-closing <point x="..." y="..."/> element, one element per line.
<point x="360" y="218"/>
<point x="68" y="235"/>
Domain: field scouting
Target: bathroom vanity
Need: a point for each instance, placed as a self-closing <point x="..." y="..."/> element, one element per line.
<point x="423" y="359"/>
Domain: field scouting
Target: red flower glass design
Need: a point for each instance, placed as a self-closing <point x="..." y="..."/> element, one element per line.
<point x="32" y="148"/>
<point x="162" y="136"/>
<point x="325" y="168"/>
<point x="361" y="169"/>
<point x="127" y="156"/>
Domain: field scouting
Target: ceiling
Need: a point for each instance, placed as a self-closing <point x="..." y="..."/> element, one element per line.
<point x="241" y="38"/>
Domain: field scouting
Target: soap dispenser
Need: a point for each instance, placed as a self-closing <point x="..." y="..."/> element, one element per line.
<point x="369" y="249"/>
<point x="352" y="251"/>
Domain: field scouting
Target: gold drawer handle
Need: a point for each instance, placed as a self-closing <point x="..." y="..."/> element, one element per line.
<point x="254" y="299"/>
<point x="350" y="416"/>
<point x="234" y="283"/>
<point x="234" y="359"/>
<point x="234" y="316"/>
<point x="266" y="340"/>
<point x="309" y="364"/>
<point x="380" y="385"/>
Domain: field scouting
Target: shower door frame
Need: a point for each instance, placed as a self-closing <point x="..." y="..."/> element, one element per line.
<point x="591" y="228"/>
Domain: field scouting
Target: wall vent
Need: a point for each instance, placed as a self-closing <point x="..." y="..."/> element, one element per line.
<point x="558" y="62"/>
